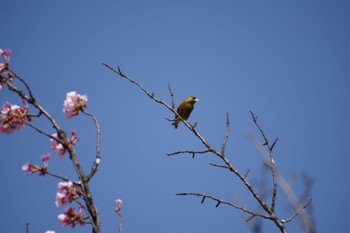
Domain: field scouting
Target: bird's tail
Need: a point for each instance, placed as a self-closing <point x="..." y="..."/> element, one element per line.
<point x="176" y="123"/>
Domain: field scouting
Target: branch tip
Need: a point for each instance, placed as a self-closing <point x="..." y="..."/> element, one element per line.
<point x="274" y="143"/>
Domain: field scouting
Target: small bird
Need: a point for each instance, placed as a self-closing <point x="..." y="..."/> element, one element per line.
<point x="185" y="109"/>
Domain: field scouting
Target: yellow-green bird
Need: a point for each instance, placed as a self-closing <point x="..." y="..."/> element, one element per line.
<point x="185" y="109"/>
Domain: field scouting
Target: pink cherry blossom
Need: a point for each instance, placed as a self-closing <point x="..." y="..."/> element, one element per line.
<point x="61" y="199"/>
<point x="2" y="67"/>
<point x="65" y="185"/>
<point x="71" y="217"/>
<point x="73" y="104"/>
<point x="119" y="203"/>
<point x="13" y="118"/>
<point x="67" y="193"/>
<point x="63" y="219"/>
<point x="30" y="168"/>
<point x="57" y="147"/>
<point x="6" y="75"/>
<point x="75" y="137"/>
<point x="45" y="157"/>
<point x="6" y="52"/>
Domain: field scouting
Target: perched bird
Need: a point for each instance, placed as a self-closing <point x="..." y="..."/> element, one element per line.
<point x="185" y="109"/>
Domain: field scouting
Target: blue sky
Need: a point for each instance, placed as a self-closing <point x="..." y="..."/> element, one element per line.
<point x="287" y="61"/>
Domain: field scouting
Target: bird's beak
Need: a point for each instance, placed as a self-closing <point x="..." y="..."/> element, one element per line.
<point x="196" y="100"/>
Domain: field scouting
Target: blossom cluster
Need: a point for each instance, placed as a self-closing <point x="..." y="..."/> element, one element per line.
<point x="67" y="193"/>
<point x="5" y="75"/>
<point x="33" y="168"/>
<point x="13" y="117"/>
<point x="72" y="217"/>
<point x="59" y="149"/>
<point x="73" y="104"/>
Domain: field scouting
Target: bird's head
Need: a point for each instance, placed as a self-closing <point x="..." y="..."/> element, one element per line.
<point x="192" y="99"/>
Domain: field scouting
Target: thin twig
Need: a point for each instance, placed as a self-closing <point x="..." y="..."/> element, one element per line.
<point x="98" y="143"/>
<point x="304" y="217"/>
<point x="120" y="222"/>
<point x="271" y="163"/>
<point x="298" y="211"/>
<point x="246" y="173"/>
<point x="219" y="201"/>
<point x="226" y="135"/>
<point x="285" y="187"/>
<point x="32" y="99"/>
<point x="172" y="96"/>
<point x="62" y="178"/>
<point x="45" y="133"/>
<point x="218" y="165"/>
<point x="193" y="152"/>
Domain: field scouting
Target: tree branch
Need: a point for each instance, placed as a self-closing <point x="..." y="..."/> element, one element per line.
<point x="226" y="135"/>
<point x="219" y="201"/>
<point x="270" y="210"/>
<point x="271" y="162"/>
<point x="98" y="143"/>
<point x="193" y="152"/>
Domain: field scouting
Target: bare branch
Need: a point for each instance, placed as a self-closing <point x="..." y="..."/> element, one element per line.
<point x="62" y="178"/>
<point x="45" y="133"/>
<point x="274" y="143"/>
<point x="247" y="173"/>
<point x="219" y="201"/>
<point x="32" y="99"/>
<point x="285" y="187"/>
<point x="218" y="165"/>
<point x="226" y="135"/>
<point x="298" y="211"/>
<point x="172" y="96"/>
<point x="271" y="163"/>
<point x="228" y="165"/>
<point x="304" y="217"/>
<point x="193" y="152"/>
<point x="120" y="224"/>
<point x="98" y="143"/>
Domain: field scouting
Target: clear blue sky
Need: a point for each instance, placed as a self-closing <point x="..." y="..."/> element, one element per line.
<point x="288" y="61"/>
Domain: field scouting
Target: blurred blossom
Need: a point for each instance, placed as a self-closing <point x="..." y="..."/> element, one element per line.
<point x="57" y="147"/>
<point x="8" y="77"/>
<point x="30" y="168"/>
<point x="71" y="217"/>
<point x="67" y="193"/>
<point x="13" y="118"/>
<point x="45" y="157"/>
<point x="119" y="203"/>
<point x="5" y="53"/>
<point x="61" y="199"/>
<point x="73" y="104"/>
